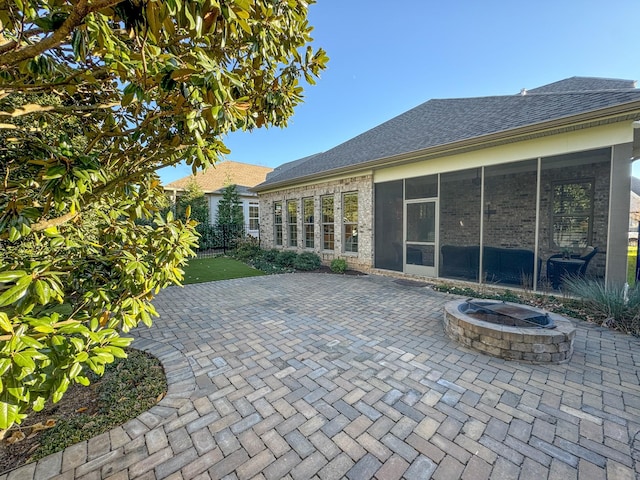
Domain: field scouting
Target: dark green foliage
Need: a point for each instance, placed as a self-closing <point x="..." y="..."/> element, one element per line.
<point x="230" y="219"/>
<point x="269" y="267"/>
<point x="270" y="255"/>
<point x="247" y="249"/>
<point x="208" y="236"/>
<point x="129" y="387"/>
<point x="307" y="261"/>
<point x="230" y="209"/>
<point x="286" y="258"/>
<point x="194" y="200"/>
<point x="339" y="265"/>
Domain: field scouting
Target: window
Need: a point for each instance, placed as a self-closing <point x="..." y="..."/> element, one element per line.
<point x="253" y="216"/>
<point x="350" y="221"/>
<point x="292" y="220"/>
<point x="572" y="214"/>
<point x="328" y="232"/>
<point x="307" y="207"/>
<point x="277" y="223"/>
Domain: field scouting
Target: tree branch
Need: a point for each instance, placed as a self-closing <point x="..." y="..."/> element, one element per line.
<point x="76" y="17"/>
<point x="35" y="108"/>
<point x="53" y="222"/>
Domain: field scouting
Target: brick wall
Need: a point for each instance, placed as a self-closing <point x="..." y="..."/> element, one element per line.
<point x="363" y="259"/>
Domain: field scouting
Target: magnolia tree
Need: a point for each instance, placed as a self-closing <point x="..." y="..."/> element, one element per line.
<point x="95" y="96"/>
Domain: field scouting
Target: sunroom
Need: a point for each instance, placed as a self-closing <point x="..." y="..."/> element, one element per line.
<point x="524" y="223"/>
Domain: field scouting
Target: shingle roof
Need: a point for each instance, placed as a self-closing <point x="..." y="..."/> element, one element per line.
<point x="441" y="122"/>
<point x="584" y="84"/>
<point x="223" y="174"/>
<point x="286" y="166"/>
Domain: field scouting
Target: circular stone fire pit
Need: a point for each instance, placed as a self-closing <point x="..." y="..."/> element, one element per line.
<point x="509" y="330"/>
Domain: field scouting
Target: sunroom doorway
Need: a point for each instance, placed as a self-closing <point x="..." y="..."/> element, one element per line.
<point x="420" y="234"/>
<point x="420" y="226"/>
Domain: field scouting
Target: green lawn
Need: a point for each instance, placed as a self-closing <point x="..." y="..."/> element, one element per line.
<point x="631" y="270"/>
<point x="218" y="268"/>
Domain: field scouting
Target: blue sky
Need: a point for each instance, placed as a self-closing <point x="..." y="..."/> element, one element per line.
<point x="387" y="57"/>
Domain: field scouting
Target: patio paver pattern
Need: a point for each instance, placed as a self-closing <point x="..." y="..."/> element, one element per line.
<point x="322" y="376"/>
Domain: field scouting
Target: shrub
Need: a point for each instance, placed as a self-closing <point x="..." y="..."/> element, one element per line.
<point x="208" y="236"/>
<point x="616" y="308"/>
<point x="286" y="258"/>
<point x="338" y="265"/>
<point x="247" y="249"/>
<point x="268" y="267"/>
<point x="270" y="255"/>
<point x="307" y="261"/>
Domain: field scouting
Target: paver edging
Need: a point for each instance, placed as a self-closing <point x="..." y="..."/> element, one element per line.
<point x="165" y="409"/>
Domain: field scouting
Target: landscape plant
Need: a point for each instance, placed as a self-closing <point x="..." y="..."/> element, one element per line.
<point x="230" y="219"/>
<point x="95" y="96"/>
<point x="286" y="259"/>
<point x="338" y="265"/>
<point x="307" y="261"/>
<point x="616" y="306"/>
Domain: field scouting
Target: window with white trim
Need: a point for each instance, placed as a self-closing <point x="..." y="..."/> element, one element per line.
<point x="254" y="216"/>
<point x="328" y="228"/>
<point x="292" y="220"/>
<point x="350" y="222"/>
<point x="307" y="215"/>
<point x="277" y="223"/>
<point x="572" y="214"/>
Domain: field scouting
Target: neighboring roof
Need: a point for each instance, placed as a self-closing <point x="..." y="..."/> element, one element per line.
<point x="439" y="123"/>
<point x="223" y="174"/>
<point x="635" y="185"/>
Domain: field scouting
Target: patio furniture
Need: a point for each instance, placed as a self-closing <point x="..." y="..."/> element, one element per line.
<point x="501" y="265"/>
<point x="509" y="265"/>
<point x="576" y="265"/>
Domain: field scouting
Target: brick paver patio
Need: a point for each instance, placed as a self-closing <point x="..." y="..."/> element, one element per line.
<point x="323" y="376"/>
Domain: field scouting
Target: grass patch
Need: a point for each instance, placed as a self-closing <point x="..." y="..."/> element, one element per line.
<point x="631" y="264"/>
<point x="200" y="270"/>
<point x="129" y="387"/>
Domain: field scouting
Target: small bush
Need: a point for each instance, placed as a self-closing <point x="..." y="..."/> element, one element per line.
<point x="615" y="307"/>
<point x="270" y="255"/>
<point x="338" y="265"/>
<point x="208" y="237"/>
<point x="268" y="267"/>
<point x="286" y="259"/>
<point x="247" y="249"/>
<point x="307" y="261"/>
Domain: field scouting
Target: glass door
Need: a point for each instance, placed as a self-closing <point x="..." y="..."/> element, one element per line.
<point x="420" y="234"/>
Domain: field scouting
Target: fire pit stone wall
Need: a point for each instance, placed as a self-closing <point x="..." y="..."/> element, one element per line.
<point x="535" y="345"/>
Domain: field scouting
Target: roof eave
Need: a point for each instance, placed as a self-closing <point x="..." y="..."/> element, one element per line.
<point x="603" y="116"/>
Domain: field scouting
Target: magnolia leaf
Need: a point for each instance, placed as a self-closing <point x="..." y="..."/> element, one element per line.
<point x="16" y="292"/>
<point x="11" y="275"/>
<point x="25" y="359"/>
<point x="5" y="324"/>
<point x="9" y="412"/>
